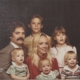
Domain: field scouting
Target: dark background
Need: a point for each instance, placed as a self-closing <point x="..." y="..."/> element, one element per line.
<point x="54" y="12"/>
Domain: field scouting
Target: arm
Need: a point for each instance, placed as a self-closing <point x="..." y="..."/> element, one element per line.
<point x="74" y="49"/>
<point x="27" y="76"/>
<point x="63" y="74"/>
<point x="14" y="77"/>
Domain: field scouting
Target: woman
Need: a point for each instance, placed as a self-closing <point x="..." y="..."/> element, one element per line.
<point x="41" y="51"/>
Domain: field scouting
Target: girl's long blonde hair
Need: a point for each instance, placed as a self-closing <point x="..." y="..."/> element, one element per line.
<point x="58" y="29"/>
<point x="34" y="55"/>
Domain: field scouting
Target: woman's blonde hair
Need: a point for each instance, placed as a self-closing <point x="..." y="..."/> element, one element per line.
<point x="68" y="54"/>
<point x="58" y="29"/>
<point x="34" y="55"/>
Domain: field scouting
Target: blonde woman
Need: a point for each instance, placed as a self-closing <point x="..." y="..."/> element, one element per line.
<point x="41" y="51"/>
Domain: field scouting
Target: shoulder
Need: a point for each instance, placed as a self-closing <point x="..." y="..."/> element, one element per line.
<point x="27" y="38"/>
<point x="12" y="66"/>
<point x="25" y="65"/>
<point x="71" y="47"/>
<point x="8" y="48"/>
<point x="39" y="77"/>
<point x="56" y="72"/>
<point x="53" y="49"/>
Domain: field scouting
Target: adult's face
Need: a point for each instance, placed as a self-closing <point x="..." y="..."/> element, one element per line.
<point x="18" y="36"/>
<point x="42" y="45"/>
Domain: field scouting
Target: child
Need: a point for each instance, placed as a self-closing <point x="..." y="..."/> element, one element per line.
<point x="60" y="45"/>
<point x="18" y="70"/>
<point x="46" y="74"/>
<point x="71" y="70"/>
<point x="35" y="24"/>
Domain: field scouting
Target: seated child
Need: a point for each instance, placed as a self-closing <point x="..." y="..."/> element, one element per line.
<point x="18" y="70"/>
<point x="46" y="73"/>
<point x="72" y="69"/>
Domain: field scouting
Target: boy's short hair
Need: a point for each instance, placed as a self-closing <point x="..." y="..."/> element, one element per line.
<point x="36" y="16"/>
<point x="42" y="60"/>
<point x="14" y="51"/>
<point x="69" y="53"/>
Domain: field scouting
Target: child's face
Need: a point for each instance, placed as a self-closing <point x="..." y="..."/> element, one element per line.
<point x="45" y="67"/>
<point x="60" y="38"/>
<point x="35" y="25"/>
<point x="19" y="57"/>
<point x="71" y="61"/>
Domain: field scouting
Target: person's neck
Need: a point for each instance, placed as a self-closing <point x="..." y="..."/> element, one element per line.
<point x="47" y="73"/>
<point x="72" y="68"/>
<point x="42" y="56"/>
<point x="36" y="34"/>
<point x="61" y="45"/>
<point x="18" y="64"/>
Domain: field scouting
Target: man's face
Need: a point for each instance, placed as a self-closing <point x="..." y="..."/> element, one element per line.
<point x="18" y="36"/>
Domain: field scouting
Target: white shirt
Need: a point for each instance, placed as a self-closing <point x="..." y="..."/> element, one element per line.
<point x="15" y="46"/>
<point x="59" y="52"/>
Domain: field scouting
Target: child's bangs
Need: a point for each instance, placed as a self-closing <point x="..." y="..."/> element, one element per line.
<point x="60" y="31"/>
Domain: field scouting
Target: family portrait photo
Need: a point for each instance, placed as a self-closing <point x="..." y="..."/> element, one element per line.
<point x="40" y="39"/>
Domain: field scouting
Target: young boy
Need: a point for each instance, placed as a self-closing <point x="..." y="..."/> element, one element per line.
<point x="35" y="24"/>
<point x="46" y="73"/>
<point x="72" y="69"/>
<point x="18" y="70"/>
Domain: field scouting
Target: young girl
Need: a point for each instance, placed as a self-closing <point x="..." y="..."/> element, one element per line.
<point x="18" y="70"/>
<point x="71" y="70"/>
<point x="35" y="24"/>
<point x="60" y="45"/>
<point x="46" y="73"/>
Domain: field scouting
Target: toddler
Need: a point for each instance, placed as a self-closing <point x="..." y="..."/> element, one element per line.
<point x="72" y="69"/>
<point x="46" y="73"/>
<point x="18" y="70"/>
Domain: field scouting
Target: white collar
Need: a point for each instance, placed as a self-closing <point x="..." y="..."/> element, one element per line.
<point x="14" y="45"/>
<point x="64" y="45"/>
<point x="67" y="68"/>
<point x="47" y="74"/>
<point x="17" y="65"/>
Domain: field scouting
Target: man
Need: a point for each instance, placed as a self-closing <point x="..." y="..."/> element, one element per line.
<point x="17" y="35"/>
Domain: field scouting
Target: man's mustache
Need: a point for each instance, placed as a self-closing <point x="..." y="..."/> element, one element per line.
<point x="20" y="39"/>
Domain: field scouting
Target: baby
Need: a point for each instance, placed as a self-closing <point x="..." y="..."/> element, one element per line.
<point x="18" y="70"/>
<point x="46" y="73"/>
<point x="72" y="69"/>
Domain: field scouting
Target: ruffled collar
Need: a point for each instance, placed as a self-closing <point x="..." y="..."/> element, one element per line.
<point x="50" y="73"/>
<point x="17" y="65"/>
